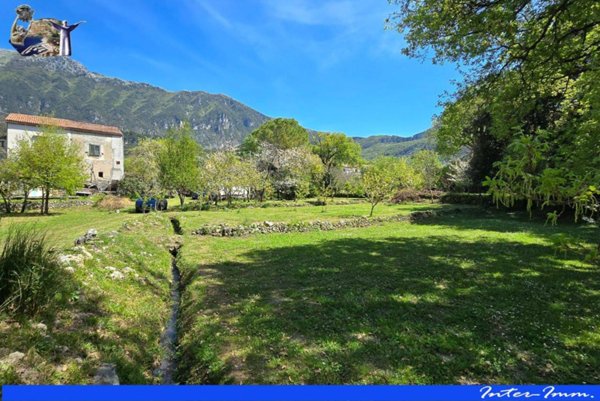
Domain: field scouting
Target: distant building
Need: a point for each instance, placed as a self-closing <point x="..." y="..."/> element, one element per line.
<point x="349" y="171"/>
<point x="101" y="145"/>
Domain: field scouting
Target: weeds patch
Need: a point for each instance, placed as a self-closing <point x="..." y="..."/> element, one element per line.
<point x="30" y="273"/>
<point x="114" y="313"/>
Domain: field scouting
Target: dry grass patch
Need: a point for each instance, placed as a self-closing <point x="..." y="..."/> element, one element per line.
<point x="113" y="203"/>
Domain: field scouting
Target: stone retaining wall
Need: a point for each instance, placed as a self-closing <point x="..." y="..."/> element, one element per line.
<point x="224" y="230"/>
<point x="199" y="205"/>
<point x="70" y="203"/>
<point x="34" y="205"/>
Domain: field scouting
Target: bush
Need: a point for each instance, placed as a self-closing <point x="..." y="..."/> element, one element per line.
<point x="193" y="206"/>
<point x="112" y="203"/>
<point x="467" y="199"/>
<point x="30" y="272"/>
<point x="407" y="195"/>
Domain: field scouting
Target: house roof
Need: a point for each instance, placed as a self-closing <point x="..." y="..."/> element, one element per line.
<point x="36" y="121"/>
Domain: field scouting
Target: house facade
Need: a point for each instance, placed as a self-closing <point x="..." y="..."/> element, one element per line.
<point x="101" y="145"/>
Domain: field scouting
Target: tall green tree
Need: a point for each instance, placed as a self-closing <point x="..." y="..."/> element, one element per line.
<point x="178" y="162"/>
<point x="283" y="133"/>
<point x="407" y="176"/>
<point x="427" y="163"/>
<point x="489" y="37"/>
<point x="335" y="151"/>
<point x="51" y="162"/>
<point x="531" y="73"/>
<point x="280" y="148"/>
<point x="142" y="174"/>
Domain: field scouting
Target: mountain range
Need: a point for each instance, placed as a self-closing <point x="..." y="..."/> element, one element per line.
<point x="63" y="87"/>
<point x="395" y="146"/>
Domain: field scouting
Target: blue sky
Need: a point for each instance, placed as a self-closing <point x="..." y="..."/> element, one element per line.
<point x="330" y="64"/>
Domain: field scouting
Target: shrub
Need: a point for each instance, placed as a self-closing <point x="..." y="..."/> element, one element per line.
<point x="30" y="272"/>
<point x="467" y="199"/>
<point x="407" y="195"/>
<point x="112" y="203"/>
<point x="192" y="206"/>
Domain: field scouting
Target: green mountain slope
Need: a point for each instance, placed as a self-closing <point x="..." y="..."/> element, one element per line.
<point x="62" y="87"/>
<point x="395" y="146"/>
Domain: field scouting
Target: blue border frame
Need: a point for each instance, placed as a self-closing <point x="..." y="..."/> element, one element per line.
<point x="299" y="393"/>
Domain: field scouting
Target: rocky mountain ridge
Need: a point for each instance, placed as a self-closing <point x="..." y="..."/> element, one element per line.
<point x="63" y="87"/>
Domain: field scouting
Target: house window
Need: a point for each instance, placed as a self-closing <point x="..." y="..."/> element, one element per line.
<point x="101" y="174"/>
<point x="118" y="162"/>
<point x="94" y="150"/>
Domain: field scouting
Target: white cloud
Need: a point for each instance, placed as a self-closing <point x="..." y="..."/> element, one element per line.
<point x="324" y="32"/>
<point x="354" y="27"/>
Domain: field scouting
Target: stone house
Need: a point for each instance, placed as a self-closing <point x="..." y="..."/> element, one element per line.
<point x="101" y="145"/>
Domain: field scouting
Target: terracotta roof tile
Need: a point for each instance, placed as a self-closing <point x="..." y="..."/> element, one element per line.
<point x="26" y="119"/>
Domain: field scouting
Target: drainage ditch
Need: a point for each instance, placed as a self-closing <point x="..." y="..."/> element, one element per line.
<point x="168" y="365"/>
<point x="176" y="226"/>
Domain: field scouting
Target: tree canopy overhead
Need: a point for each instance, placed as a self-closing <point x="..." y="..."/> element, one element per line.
<point x="530" y="96"/>
<point x="496" y="35"/>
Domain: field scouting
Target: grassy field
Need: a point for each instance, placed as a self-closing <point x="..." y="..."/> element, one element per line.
<point x="193" y="220"/>
<point x="471" y="296"/>
<point x="113" y="306"/>
<point x="475" y="297"/>
<point x="64" y="226"/>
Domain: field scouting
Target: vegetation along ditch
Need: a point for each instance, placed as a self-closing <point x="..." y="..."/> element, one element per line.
<point x="168" y="364"/>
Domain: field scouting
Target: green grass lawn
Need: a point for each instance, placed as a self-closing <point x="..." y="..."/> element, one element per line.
<point x="96" y="318"/>
<point x="194" y="220"/>
<point x="476" y="297"/>
<point x="64" y="226"/>
<point x="473" y="296"/>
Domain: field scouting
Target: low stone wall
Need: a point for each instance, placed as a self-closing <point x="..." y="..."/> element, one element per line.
<point x="70" y="203"/>
<point x="199" y="205"/>
<point x="34" y="205"/>
<point x="267" y="227"/>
